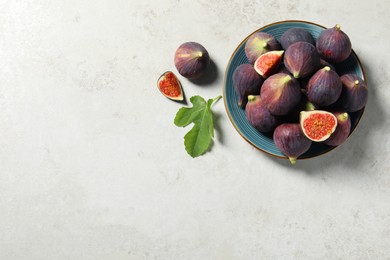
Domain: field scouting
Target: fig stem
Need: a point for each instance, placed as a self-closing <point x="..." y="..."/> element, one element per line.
<point x="293" y="160"/>
<point x="343" y="116"/>
<point x="327" y="68"/>
<point x="337" y="27"/>
<point x="356" y="83"/>
<point x="310" y="106"/>
<point x="216" y="98"/>
<point x="265" y="44"/>
<point x="251" y="97"/>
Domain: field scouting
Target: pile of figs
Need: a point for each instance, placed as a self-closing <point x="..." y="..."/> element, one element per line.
<point x="290" y="88"/>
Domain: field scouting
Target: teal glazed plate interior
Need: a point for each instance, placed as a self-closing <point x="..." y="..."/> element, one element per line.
<point x="236" y="114"/>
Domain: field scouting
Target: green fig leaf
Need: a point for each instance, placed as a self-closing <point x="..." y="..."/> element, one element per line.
<point x="198" y="139"/>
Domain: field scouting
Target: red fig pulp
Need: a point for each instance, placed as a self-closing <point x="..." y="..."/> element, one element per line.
<point x="169" y="86"/>
<point x="317" y="125"/>
<point x="268" y="62"/>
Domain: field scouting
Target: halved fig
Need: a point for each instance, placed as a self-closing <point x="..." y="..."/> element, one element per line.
<point x="170" y="86"/>
<point x="317" y="125"/>
<point x="268" y="62"/>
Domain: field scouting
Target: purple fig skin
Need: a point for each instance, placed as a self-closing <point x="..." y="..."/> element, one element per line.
<point x="354" y="95"/>
<point x="294" y="35"/>
<point x="259" y="116"/>
<point x="280" y="93"/>
<point x="291" y="141"/>
<point x="301" y="59"/>
<point x="191" y="60"/>
<point x="334" y="45"/>
<point x="342" y="131"/>
<point x="246" y="81"/>
<point x="259" y="43"/>
<point x="324" y="87"/>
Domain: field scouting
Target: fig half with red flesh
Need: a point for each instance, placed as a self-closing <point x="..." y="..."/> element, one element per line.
<point x="317" y="125"/>
<point x="170" y="86"/>
<point x="267" y="63"/>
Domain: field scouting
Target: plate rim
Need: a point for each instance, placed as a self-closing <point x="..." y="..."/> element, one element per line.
<point x="225" y="80"/>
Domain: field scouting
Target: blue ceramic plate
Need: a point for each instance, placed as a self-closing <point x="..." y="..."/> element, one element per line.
<point x="237" y="115"/>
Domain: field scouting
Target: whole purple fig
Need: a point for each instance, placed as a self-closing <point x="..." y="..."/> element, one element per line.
<point x="334" y="45"/>
<point x="246" y="81"/>
<point x="259" y="43"/>
<point x="301" y="59"/>
<point x="354" y="95"/>
<point x="324" y="87"/>
<point x="191" y="60"/>
<point x="259" y="116"/>
<point x="342" y="131"/>
<point x="291" y="141"/>
<point x="280" y="93"/>
<point x="294" y="35"/>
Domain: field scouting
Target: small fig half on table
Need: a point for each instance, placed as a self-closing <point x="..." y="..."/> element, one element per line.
<point x="191" y="60"/>
<point x="170" y="86"/>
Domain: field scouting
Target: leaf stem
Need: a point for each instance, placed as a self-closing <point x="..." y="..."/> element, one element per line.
<point x="216" y="98"/>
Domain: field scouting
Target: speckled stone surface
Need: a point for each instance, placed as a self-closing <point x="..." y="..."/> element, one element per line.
<point x="92" y="166"/>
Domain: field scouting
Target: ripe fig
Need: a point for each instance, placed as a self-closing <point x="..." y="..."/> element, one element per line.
<point x="301" y="59"/>
<point x="170" y="86"/>
<point x="191" y="60"/>
<point x="334" y="45"/>
<point x="259" y="116"/>
<point x="342" y="131"/>
<point x="291" y="141"/>
<point x="268" y="62"/>
<point x="294" y="35"/>
<point x="280" y="93"/>
<point x="354" y="95"/>
<point x="259" y="43"/>
<point x="246" y="81"/>
<point x="324" y="87"/>
<point x="317" y="125"/>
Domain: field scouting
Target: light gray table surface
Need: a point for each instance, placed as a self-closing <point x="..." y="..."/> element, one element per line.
<point x="92" y="166"/>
